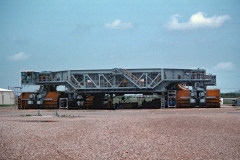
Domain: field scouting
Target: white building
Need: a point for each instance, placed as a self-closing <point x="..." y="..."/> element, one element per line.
<point x="6" y="97"/>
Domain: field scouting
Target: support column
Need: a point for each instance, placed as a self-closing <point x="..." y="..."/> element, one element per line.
<point x="163" y="102"/>
<point x="69" y="76"/>
<point x="162" y="74"/>
<point x="110" y="101"/>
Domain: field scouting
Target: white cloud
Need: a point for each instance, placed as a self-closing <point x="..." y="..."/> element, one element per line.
<point x="224" y="66"/>
<point x="19" y="56"/>
<point x="198" y="20"/>
<point x="118" y="24"/>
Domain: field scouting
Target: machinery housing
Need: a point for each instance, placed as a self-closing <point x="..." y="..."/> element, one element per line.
<point x="97" y="88"/>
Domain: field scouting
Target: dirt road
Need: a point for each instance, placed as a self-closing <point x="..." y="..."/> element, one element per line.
<point x="120" y="134"/>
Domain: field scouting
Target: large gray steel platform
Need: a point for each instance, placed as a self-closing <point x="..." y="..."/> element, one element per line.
<point x="118" y="80"/>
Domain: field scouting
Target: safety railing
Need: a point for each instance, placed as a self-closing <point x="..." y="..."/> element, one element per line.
<point x="51" y="79"/>
<point x="144" y="83"/>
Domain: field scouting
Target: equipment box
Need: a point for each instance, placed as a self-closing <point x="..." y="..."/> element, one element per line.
<point x="238" y="102"/>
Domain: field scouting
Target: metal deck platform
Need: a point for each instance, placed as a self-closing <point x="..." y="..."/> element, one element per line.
<point x="118" y="80"/>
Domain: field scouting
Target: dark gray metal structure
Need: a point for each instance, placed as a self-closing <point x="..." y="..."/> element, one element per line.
<point x="123" y="81"/>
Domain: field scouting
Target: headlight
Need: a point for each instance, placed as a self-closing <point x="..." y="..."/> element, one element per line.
<point x="192" y="94"/>
<point x="201" y="94"/>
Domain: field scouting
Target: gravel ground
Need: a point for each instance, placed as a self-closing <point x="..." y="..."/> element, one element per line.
<point x="121" y="134"/>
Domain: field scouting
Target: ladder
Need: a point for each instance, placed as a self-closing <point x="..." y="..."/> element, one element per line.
<point x="18" y="97"/>
<point x="162" y="102"/>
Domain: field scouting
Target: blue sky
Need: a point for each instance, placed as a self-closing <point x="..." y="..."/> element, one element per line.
<point x="76" y="34"/>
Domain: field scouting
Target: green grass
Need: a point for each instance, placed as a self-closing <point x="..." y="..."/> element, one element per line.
<point x="228" y="101"/>
<point x="6" y="105"/>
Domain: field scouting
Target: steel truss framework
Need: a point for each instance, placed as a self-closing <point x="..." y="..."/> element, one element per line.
<point x="118" y="80"/>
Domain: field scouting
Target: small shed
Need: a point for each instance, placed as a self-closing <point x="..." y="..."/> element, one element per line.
<point x="6" y="97"/>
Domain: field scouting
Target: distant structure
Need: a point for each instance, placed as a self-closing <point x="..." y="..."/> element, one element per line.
<point x="174" y="87"/>
<point x="6" y="97"/>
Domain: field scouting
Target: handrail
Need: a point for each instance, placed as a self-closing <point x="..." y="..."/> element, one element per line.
<point x="130" y="76"/>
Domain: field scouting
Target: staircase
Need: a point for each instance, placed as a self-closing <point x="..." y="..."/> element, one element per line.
<point x="132" y="78"/>
<point x="135" y="80"/>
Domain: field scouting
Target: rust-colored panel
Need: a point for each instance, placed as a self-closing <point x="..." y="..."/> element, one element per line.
<point x="213" y="92"/>
<point x="214" y="102"/>
<point x="53" y="102"/>
<point x="183" y="103"/>
<point x="89" y="101"/>
<point x="25" y="95"/>
<point x="23" y="103"/>
<point x="183" y="93"/>
<point x="52" y="95"/>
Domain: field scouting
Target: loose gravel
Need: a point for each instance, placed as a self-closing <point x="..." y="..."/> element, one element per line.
<point x="121" y="134"/>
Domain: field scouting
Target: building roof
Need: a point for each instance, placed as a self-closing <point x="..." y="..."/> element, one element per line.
<point x="5" y="90"/>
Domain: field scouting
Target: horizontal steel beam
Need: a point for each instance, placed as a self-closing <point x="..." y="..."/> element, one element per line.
<point x="118" y="79"/>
